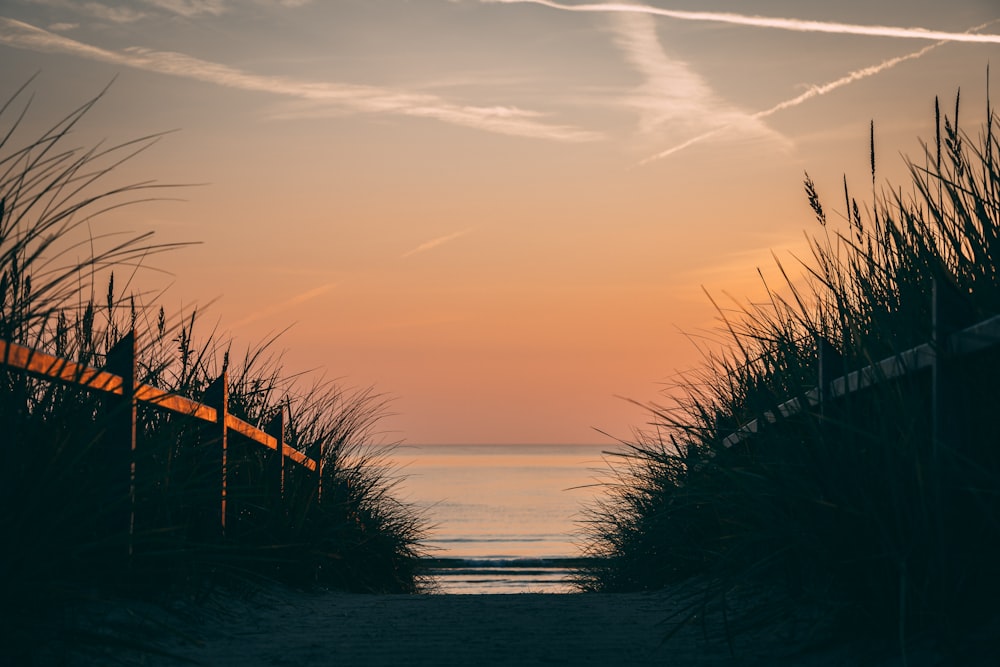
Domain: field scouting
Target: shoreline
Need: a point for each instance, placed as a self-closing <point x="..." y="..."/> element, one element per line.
<point x="500" y="576"/>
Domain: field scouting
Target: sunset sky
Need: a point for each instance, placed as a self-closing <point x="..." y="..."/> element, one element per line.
<point x="501" y="213"/>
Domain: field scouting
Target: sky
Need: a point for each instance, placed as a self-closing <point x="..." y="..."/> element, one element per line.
<point x="502" y="214"/>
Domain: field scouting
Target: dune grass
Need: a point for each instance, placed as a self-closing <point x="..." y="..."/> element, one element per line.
<point x="62" y="488"/>
<point x="854" y="510"/>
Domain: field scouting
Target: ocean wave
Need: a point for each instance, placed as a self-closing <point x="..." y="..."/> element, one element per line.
<point x="479" y="564"/>
<point x="499" y="538"/>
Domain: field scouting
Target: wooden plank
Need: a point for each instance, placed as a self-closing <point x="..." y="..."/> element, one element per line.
<point x="976" y="338"/>
<point x="174" y="403"/>
<point x="47" y="366"/>
<point x="61" y="370"/>
<point x="252" y="432"/>
<point x="300" y="458"/>
<point x="910" y="361"/>
<point x="234" y="423"/>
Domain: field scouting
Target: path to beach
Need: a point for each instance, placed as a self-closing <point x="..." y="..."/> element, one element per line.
<point x="529" y="629"/>
<point x="286" y="628"/>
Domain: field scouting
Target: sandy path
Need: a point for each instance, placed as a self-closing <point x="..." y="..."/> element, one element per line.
<point x="451" y="630"/>
<point x="281" y="627"/>
<point x="293" y="628"/>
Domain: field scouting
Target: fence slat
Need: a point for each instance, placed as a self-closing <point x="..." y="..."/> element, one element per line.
<point x="299" y="457"/>
<point x="831" y="366"/>
<point x="163" y="400"/>
<point x="251" y="432"/>
<point x="53" y="368"/>
<point x="277" y="429"/>
<point x="122" y="440"/>
<point x="217" y="396"/>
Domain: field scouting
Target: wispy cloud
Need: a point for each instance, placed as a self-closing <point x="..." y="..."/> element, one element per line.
<point x="285" y="305"/>
<point x="810" y="93"/>
<point x="190" y="8"/>
<point x="95" y="10"/>
<point x="357" y="98"/>
<point x="795" y="25"/>
<point x="434" y="243"/>
<point x="112" y="14"/>
<point x="672" y="95"/>
<point x="156" y="9"/>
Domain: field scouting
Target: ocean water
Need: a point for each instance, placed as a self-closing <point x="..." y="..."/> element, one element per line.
<point x="506" y="517"/>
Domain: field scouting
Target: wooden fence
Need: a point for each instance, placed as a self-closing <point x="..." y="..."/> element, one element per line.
<point x="117" y="381"/>
<point x="951" y="341"/>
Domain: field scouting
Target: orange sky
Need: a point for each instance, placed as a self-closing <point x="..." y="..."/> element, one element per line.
<point x="468" y="204"/>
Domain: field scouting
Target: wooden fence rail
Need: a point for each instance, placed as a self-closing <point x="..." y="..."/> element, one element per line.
<point x="950" y="343"/>
<point x="117" y="380"/>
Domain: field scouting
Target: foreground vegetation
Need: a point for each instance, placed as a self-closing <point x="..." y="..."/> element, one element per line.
<point x="854" y="510"/>
<point x="62" y="489"/>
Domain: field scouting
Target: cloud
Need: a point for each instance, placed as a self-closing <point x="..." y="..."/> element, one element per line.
<point x="796" y="25"/>
<point x="285" y="305"/>
<point x="112" y="14"/>
<point x="190" y="8"/>
<point x="60" y="27"/>
<point x="95" y="10"/>
<point x="811" y="92"/>
<point x="441" y="240"/>
<point x="337" y="96"/>
<point x="672" y="95"/>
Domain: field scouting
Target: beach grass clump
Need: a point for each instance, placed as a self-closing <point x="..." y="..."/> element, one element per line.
<point x="879" y="508"/>
<point x="84" y="517"/>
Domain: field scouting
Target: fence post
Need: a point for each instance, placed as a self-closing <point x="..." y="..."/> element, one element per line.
<point x="831" y="366"/>
<point x="120" y="360"/>
<point x="217" y="396"/>
<point x="319" y="471"/>
<point x="950" y="312"/>
<point x="277" y="429"/>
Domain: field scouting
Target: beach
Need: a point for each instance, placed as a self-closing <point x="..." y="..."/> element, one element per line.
<point x="502" y="518"/>
<point x="277" y="626"/>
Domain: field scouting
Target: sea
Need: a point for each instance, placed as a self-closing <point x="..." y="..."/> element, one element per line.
<point x="505" y="518"/>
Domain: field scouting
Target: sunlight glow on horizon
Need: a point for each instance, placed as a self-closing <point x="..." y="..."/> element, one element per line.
<point x="442" y="199"/>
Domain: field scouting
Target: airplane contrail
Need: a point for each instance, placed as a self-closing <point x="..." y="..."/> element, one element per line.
<point x="288" y="303"/>
<point x="433" y="243"/>
<point x="811" y="92"/>
<point x="796" y="25"/>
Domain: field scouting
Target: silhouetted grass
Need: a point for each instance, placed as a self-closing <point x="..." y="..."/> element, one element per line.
<point x="854" y="510"/>
<point x="63" y="487"/>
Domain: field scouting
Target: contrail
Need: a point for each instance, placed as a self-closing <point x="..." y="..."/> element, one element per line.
<point x="277" y="308"/>
<point x="813" y="91"/>
<point x="796" y="25"/>
<point x="435" y="243"/>
<point x="361" y="98"/>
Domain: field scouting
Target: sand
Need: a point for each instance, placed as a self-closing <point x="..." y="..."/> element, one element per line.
<point x="285" y="627"/>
